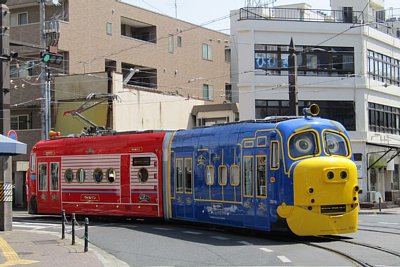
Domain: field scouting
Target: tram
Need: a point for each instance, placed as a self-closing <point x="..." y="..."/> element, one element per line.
<point x="291" y="171"/>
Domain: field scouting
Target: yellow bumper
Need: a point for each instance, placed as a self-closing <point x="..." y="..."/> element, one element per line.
<point x="303" y="222"/>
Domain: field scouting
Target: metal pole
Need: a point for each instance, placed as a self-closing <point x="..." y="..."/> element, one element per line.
<point x="63" y="225"/>
<point x="293" y="101"/>
<point x="5" y="161"/>
<point x="43" y="85"/>
<point x="73" y="228"/>
<point x="86" y="234"/>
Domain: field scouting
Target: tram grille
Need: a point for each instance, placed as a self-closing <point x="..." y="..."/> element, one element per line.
<point x="333" y="208"/>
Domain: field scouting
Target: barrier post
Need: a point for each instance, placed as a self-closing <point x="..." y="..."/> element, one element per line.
<point x="380" y="201"/>
<point x="86" y="234"/>
<point x="63" y="224"/>
<point x="73" y="228"/>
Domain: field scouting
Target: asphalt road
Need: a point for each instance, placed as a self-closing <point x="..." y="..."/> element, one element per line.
<point x="153" y="243"/>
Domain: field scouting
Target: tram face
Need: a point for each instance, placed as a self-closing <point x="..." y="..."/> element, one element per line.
<point x="325" y="190"/>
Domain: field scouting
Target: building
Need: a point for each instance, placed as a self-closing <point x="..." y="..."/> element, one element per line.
<point x="158" y="57"/>
<point x="347" y="62"/>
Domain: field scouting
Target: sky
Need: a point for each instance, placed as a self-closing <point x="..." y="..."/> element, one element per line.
<point x="202" y="12"/>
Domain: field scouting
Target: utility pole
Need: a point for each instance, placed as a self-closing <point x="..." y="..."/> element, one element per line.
<point x="45" y="101"/>
<point x="293" y="101"/>
<point x="5" y="161"/>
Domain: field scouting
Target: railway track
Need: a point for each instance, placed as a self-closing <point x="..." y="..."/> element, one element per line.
<point x="354" y="259"/>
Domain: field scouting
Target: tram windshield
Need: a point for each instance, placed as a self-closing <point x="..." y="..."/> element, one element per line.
<point x="335" y="144"/>
<point x="303" y="144"/>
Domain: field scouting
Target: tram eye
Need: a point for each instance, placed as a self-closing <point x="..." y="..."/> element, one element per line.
<point x="311" y="190"/>
<point x="356" y="188"/>
<point x="343" y="175"/>
<point x="330" y="175"/>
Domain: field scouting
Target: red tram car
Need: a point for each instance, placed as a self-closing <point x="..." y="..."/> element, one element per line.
<point x="107" y="175"/>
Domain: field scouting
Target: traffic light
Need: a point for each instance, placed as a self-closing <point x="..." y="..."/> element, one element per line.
<point x="53" y="58"/>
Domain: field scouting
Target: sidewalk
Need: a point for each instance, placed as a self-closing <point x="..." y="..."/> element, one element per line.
<point x="395" y="210"/>
<point x="40" y="248"/>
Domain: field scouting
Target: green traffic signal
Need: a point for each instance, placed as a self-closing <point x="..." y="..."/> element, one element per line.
<point x="46" y="58"/>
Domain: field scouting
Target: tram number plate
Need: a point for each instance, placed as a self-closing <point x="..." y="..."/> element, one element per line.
<point x="333" y="208"/>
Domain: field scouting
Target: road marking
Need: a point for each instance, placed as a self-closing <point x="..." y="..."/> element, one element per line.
<point x="191" y="232"/>
<point x="246" y="243"/>
<point x="266" y="250"/>
<point x="220" y="237"/>
<point x="388" y="223"/>
<point x="11" y="256"/>
<point x="162" y="228"/>
<point x="284" y="259"/>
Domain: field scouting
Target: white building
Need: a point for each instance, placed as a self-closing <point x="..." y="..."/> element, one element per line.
<point x="347" y="62"/>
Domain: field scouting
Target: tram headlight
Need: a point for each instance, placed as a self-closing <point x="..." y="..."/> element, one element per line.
<point x="330" y="175"/>
<point x="343" y="175"/>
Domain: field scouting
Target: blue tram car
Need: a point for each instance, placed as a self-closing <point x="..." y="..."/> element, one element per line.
<point x="258" y="174"/>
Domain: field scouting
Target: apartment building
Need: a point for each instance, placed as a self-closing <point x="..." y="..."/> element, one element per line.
<point x="347" y="62"/>
<point x="158" y="58"/>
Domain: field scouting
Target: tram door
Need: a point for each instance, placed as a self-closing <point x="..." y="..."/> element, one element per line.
<point x="48" y="185"/>
<point x="255" y="183"/>
<point x="184" y="185"/>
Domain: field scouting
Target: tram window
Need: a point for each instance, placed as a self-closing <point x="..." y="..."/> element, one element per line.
<point x="80" y="175"/>
<point x="141" y="161"/>
<point x="42" y="176"/>
<point x="98" y="175"/>
<point x="33" y="162"/>
<point x="262" y="141"/>
<point x="248" y="176"/>
<point x="261" y="176"/>
<point x="54" y="176"/>
<point x="143" y="175"/>
<point x="188" y="175"/>
<point x="274" y="155"/>
<point x="111" y="175"/>
<point x="222" y="175"/>
<point x="235" y="175"/>
<point x="69" y="175"/>
<point x="210" y="175"/>
<point x="179" y="176"/>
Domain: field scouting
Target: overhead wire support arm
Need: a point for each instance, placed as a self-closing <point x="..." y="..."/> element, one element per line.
<point x="93" y="128"/>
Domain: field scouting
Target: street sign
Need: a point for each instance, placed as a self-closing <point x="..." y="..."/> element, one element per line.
<point x="13" y="135"/>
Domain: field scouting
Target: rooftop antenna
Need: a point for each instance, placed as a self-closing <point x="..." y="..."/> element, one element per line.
<point x="259" y="3"/>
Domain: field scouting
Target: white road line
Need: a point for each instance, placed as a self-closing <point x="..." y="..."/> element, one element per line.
<point x="284" y="259"/>
<point x="246" y="243"/>
<point x="388" y="223"/>
<point x="266" y="250"/>
<point x="191" y="232"/>
<point x="220" y="237"/>
<point x="162" y="228"/>
<point x="29" y="223"/>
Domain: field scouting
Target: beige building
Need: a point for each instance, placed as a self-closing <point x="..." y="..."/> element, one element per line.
<point x="157" y="57"/>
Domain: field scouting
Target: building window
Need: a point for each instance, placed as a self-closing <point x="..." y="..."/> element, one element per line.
<point x="20" y="122"/>
<point x="227" y="55"/>
<point x="170" y="43"/>
<point x="109" y="28"/>
<point x="384" y="119"/>
<point x="179" y="41"/>
<point x="228" y="92"/>
<point x="311" y="61"/>
<point x="341" y="111"/>
<point x="19" y="19"/>
<point x="208" y="92"/>
<point x="207" y="52"/>
<point x="383" y="68"/>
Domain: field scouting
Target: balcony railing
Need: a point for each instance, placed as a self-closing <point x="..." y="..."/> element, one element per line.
<point x="297" y="14"/>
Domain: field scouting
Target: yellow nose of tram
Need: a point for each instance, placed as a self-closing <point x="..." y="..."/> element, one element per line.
<point x="325" y="197"/>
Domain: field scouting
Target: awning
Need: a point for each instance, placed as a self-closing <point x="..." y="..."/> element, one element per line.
<point x="10" y="147"/>
<point x="379" y="163"/>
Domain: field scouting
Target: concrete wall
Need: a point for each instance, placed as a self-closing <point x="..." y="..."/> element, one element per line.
<point x="145" y="110"/>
